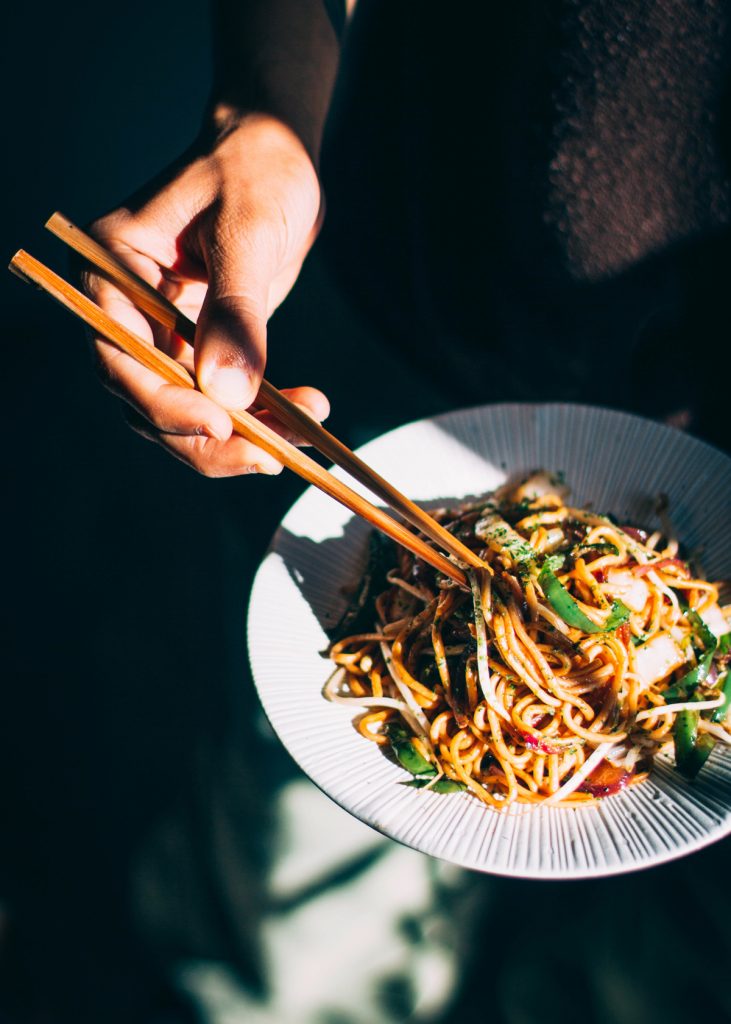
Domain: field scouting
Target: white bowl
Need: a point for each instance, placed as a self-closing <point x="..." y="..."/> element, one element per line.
<point x="616" y="462"/>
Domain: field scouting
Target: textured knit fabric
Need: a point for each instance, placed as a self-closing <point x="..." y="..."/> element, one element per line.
<point x="637" y="160"/>
<point x="533" y="199"/>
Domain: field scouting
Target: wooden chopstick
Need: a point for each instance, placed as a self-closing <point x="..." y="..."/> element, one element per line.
<point x="161" y="309"/>
<point x="30" y="269"/>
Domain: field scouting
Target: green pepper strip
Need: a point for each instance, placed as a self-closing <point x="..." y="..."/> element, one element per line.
<point x="554" y="562"/>
<point x="564" y="605"/>
<point x="706" y="637"/>
<point x="443" y="785"/>
<point x="692" y="680"/>
<point x="691" y="750"/>
<point x="719" y="713"/>
<point x="407" y="754"/>
<point x="410" y="759"/>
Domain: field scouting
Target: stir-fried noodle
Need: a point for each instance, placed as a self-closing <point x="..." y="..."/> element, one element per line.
<point x="581" y="651"/>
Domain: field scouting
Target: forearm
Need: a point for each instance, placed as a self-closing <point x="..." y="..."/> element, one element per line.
<point x="276" y="57"/>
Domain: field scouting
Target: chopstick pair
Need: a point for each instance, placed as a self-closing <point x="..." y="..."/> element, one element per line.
<point x="164" y="312"/>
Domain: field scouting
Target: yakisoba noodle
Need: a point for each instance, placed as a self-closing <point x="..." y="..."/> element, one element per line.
<point x="580" y="653"/>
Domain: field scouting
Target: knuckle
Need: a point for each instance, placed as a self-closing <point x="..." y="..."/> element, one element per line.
<point x="90" y="282"/>
<point x="109" y="231"/>
<point x="107" y="372"/>
<point x="202" y="457"/>
<point x="205" y="455"/>
<point x="109" y="227"/>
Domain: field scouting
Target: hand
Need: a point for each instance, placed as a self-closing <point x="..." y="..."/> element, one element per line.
<point x="224" y="240"/>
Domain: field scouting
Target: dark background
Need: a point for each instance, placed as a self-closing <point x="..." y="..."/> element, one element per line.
<point x="126" y="580"/>
<point x="126" y="575"/>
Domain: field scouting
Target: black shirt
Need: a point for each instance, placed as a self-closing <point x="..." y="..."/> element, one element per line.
<point x="533" y="199"/>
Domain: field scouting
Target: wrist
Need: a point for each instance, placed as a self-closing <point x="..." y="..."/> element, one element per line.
<point x="228" y="125"/>
<point x="224" y="119"/>
<point x="239" y="139"/>
<point x="231" y="111"/>
<point x="275" y="57"/>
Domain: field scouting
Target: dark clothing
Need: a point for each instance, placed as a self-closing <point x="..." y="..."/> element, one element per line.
<point x="528" y="201"/>
<point x="533" y="199"/>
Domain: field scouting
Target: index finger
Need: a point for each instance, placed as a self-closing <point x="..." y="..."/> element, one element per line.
<point x="169" y="408"/>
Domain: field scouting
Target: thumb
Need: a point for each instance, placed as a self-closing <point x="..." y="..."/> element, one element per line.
<point x="230" y="344"/>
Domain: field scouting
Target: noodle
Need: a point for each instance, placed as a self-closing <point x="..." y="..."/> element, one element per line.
<point x="582" y="651"/>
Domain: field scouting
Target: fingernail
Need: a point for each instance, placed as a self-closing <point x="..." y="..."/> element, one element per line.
<point x="206" y="431"/>
<point x="229" y="386"/>
<point x="310" y="413"/>
<point x="268" y="468"/>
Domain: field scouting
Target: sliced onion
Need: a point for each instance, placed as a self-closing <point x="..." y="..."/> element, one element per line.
<point x="487" y="684"/>
<point x="618" y="755"/>
<point x="633" y="757"/>
<point x="635" y="533"/>
<point x="661" y="563"/>
<point x="667" y="591"/>
<point x="578" y="777"/>
<point x="711" y="678"/>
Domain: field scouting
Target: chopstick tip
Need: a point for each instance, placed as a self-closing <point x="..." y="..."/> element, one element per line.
<point x="15" y="268"/>
<point x="55" y="218"/>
